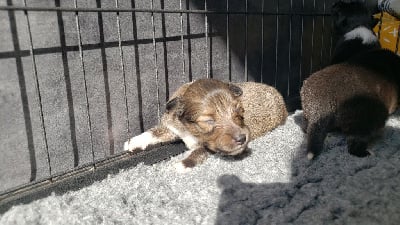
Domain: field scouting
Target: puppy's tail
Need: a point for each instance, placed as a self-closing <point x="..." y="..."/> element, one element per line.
<point x="316" y="133"/>
<point x="359" y="118"/>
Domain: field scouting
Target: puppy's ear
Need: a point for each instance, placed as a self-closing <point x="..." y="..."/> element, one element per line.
<point x="337" y="6"/>
<point x="175" y="105"/>
<point x="337" y="13"/>
<point x="237" y="91"/>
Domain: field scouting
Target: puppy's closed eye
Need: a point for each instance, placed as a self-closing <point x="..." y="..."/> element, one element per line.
<point x="206" y="123"/>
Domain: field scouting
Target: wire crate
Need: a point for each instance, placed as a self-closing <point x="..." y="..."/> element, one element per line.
<point x="78" y="78"/>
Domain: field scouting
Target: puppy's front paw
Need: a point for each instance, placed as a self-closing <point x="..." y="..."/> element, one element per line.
<point x="139" y="142"/>
<point x="181" y="168"/>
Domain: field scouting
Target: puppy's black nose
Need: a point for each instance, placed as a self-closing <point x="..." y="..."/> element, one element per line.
<point x="240" y="139"/>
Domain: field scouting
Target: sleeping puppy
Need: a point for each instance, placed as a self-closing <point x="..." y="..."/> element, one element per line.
<point x="356" y="95"/>
<point x="211" y="116"/>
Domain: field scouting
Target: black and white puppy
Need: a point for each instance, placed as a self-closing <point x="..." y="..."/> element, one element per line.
<point x="352" y="30"/>
<point x="356" y="94"/>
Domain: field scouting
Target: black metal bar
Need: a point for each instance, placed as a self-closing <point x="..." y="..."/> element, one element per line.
<point x="331" y="42"/>
<point x="121" y="57"/>
<point x="228" y="47"/>
<point x="106" y="82"/>
<point x="322" y="38"/>
<point x="276" y="44"/>
<point x="165" y="52"/>
<point x="262" y="42"/>
<point x="206" y="39"/>
<point x="155" y="63"/>
<point x="246" y="72"/>
<point x="68" y="85"/>
<point x="111" y="44"/>
<point x="78" y="30"/>
<point x="24" y="95"/>
<point x="37" y="88"/>
<point x="312" y="41"/>
<point x="189" y="50"/>
<point x="301" y="47"/>
<point x="290" y="51"/>
<point x="193" y="11"/>
<point x="182" y="42"/>
<point x="137" y="70"/>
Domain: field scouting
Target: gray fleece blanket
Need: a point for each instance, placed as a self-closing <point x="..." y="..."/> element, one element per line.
<point x="273" y="184"/>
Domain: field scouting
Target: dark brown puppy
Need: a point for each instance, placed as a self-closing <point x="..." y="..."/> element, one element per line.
<point x="356" y="95"/>
<point x="211" y="115"/>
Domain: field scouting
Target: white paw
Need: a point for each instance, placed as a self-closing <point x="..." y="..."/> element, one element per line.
<point x="139" y="142"/>
<point x="371" y="152"/>
<point x="310" y="156"/>
<point x="180" y="168"/>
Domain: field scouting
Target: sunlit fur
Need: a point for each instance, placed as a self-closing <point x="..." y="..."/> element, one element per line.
<point x="357" y="93"/>
<point x="214" y="116"/>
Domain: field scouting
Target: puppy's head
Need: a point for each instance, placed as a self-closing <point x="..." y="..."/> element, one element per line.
<point x="349" y="15"/>
<point x="210" y="110"/>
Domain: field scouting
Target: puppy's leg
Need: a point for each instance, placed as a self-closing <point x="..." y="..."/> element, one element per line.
<point x="196" y="157"/>
<point x="316" y="133"/>
<point x="153" y="136"/>
<point x="357" y="145"/>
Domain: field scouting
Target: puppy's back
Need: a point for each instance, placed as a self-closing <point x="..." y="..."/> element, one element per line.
<point x="264" y="107"/>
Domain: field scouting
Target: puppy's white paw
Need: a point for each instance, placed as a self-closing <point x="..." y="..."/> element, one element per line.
<point x="139" y="142"/>
<point x="371" y="153"/>
<point x="310" y="156"/>
<point x="181" y="168"/>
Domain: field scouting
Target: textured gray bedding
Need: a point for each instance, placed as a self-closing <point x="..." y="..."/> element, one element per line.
<point x="274" y="184"/>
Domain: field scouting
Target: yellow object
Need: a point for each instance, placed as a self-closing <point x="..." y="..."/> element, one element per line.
<point x="388" y="31"/>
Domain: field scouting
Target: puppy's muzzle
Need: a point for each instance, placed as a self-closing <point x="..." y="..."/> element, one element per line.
<point x="240" y="139"/>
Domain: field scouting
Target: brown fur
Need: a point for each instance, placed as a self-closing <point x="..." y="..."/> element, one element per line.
<point x="328" y="88"/>
<point x="211" y="115"/>
<point x="357" y="92"/>
<point x="350" y="98"/>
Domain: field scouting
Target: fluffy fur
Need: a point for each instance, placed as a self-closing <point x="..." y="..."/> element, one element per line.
<point x="213" y="116"/>
<point x="356" y="95"/>
<point x="353" y="34"/>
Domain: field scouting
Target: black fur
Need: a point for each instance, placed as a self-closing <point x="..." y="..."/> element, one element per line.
<point x="382" y="61"/>
<point x="362" y="115"/>
<point x="347" y="17"/>
<point x="347" y="49"/>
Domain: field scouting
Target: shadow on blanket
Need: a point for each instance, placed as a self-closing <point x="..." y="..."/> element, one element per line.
<point x="334" y="188"/>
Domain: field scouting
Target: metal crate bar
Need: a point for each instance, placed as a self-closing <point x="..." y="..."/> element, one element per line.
<point x="289" y="51"/>
<point x="189" y="44"/>
<point x="246" y="75"/>
<point x="323" y="35"/>
<point x="121" y="57"/>
<point x="156" y="64"/>
<point x="276" y="43"/>
<point x="78" y="30"/>
<point x="262" y="41"/>
<point x="208" y="55"/>
<point x="312" y="40"/>
<point x="228" y="50"/>
<point x="38" y="97"/>
<point x="137" y="69"/>
<point x="192" y="11"/>
<point x="182" y="42"/>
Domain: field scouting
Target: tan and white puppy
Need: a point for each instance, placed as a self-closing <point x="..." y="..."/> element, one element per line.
<point x="211" y="116"/>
